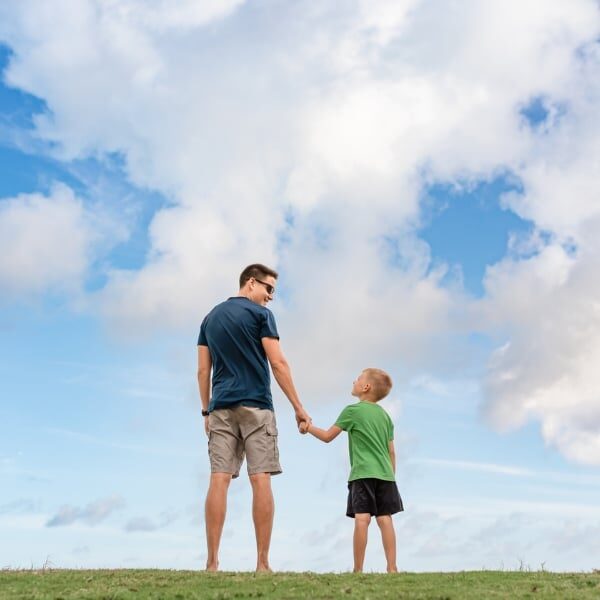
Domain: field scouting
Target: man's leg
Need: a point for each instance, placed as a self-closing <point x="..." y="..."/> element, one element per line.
<point x="215" y="509"/>
<point x="361" y="530"/>
<point x="263" y="509"/>
<point x="388" y="537"/>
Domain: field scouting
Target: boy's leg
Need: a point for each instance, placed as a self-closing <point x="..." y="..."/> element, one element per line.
<point x="388" y="537"/>
<point x="263" y="509"/>
<point x="215" y="509"/>
<point x="361" y="529"/>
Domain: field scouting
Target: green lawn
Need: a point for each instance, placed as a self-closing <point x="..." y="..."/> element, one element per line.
<point x="120" y="584"/>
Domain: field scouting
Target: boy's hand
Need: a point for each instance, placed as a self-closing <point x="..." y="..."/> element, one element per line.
<point x="303" y="427"/>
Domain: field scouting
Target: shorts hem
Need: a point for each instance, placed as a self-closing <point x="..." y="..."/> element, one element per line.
<point x="257" y="471"/>
<point x="384" y="514"/>
<point x="233" y="474"/>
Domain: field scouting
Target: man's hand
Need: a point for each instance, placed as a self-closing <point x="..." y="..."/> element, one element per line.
<point x="303" y="427"/>
<point x="206" y="429"/>
<point x="302" y="416"/>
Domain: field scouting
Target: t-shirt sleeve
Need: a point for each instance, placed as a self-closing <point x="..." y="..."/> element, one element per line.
<point x="390" y="430"/>
<point x="345" y="421"/>
<point x="202" y="336"/>
<point x="268" y="326"/>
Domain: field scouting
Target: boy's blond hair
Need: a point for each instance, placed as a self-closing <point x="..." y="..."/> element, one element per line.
<point x="381" y="383"/>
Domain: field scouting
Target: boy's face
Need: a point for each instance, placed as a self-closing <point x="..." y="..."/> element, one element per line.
<point x="360" y="385"/>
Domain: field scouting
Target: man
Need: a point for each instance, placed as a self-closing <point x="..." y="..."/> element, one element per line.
<point x="238" y="340"/>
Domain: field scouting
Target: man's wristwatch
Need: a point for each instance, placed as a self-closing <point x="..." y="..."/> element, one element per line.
<point x="205" y="413"/>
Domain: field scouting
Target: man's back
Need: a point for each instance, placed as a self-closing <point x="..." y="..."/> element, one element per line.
<point x="233" y="331"/>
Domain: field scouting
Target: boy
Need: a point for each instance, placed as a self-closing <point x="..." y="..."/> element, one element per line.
<point x="372" y="489"/>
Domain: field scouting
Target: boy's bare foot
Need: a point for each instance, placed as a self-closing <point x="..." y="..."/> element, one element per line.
<point x="263" y="568"/>
<point x="212" y="567"/>
<point x="392" y="570"/>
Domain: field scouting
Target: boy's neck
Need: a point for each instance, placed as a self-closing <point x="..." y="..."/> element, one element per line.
<point x="367" y="399"/>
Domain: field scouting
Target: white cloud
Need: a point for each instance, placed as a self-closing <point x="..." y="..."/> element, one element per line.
<point x="161" y="15"/>
<point x="146" y="524"/>
<point x="475" y="466"/>
<point x="140" y="524"/>
<point x="306" y="145"/>
<point x="548" y="368"/>
<point x="554" y="477"/>
<point x="92" y="514"/>
<point x="44" y="242"/>
<point x="544" y="298"/>
<point x="20" y="506"/>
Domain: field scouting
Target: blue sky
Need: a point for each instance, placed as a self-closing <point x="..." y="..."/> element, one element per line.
<point x="430" y="198"/>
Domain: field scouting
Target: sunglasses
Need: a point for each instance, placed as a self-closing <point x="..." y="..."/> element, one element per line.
<point x="270" y="289"/>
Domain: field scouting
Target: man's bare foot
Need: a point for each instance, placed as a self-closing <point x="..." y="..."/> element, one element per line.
<point x="263" y="568"/>
<point x="212" y="567"/>
<point x="392" y="570"/>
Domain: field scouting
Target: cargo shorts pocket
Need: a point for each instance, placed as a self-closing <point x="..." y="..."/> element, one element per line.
<point x="272" y="434"/>
<point x="209" y="445"/>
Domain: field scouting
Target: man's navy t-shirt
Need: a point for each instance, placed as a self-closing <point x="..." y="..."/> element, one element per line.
<point x="233" y="331"/>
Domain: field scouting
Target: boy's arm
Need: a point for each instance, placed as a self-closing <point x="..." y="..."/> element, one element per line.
<point x="322" y="434"/>
<point x="392" y="454"/>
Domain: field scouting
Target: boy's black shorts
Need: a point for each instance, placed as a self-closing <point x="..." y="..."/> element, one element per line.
<point x="374" y="496"/>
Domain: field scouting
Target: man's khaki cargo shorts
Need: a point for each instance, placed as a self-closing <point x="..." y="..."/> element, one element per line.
<point x="243" y="431"/>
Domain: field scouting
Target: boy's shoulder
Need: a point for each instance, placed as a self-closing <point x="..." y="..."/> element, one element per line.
<point x="349" y="408"/>
<point x="360" y="407"/>
<point x="371" y="410"/>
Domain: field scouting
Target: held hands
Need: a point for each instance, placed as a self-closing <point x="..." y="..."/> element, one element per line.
<point x="302" y="418"/>
<point x="303" y="427"/>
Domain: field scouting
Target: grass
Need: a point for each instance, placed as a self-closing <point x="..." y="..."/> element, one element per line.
<point x="58" y="584"/>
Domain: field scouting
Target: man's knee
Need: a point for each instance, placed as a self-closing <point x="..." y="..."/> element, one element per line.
<point x="260" y="480"/>
<point x="220" y="480"/>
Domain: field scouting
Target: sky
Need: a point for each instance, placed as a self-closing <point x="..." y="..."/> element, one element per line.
<point x="424" y="176"/>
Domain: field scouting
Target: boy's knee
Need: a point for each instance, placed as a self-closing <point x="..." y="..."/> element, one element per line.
<point x="362" y="518"/>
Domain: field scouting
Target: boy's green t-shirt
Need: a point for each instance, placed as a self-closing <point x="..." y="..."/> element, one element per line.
<point x="370" y="430"/>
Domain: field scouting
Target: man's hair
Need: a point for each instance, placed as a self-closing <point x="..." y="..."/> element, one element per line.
<point x="381" y="383"/>
<point x="257" y="271"/>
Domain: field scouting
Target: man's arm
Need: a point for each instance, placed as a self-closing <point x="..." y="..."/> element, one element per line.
<point x="392" y="454"/>
<point x="321" y="434"/>
<point x="204" y="368"/>
<point x="283" y="376"/>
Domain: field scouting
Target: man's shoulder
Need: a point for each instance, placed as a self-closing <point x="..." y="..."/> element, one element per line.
<point x="231" y="304"/>
<point x="218" y="306"/>
<point x="240" y="308"/>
